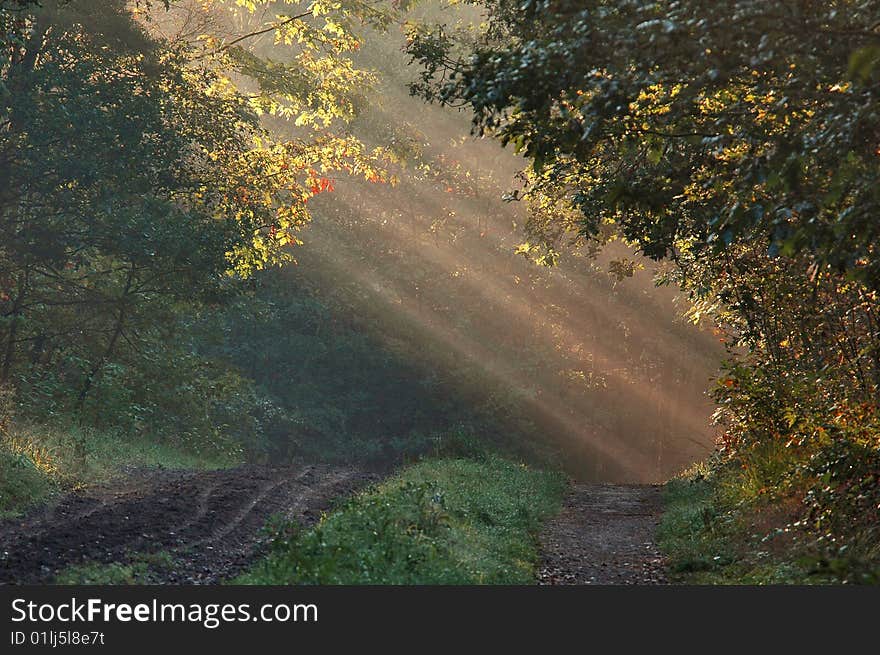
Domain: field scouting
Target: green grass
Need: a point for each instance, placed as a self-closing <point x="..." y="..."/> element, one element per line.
<point x="711" y="534"/>
<point x="684" y="532"/>
<point x="95" y="573"/>
<point x="36" y="461"/>
<point x="21" y="482"/>
<point x="137" y="571"/>
<point x="441" y="521"/>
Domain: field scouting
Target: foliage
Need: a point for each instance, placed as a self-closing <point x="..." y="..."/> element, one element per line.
<point x="739" y="141"/>
<point x="449" y="521"/>
<point x="324" y="386"/>
<point x="169" y="156"/>
<point x="773" y="516"/>
<point x="21" y="483"/>
<point x="690" y="124"/>
<point x="430" y="269"/>
<point x="138" y="183"/>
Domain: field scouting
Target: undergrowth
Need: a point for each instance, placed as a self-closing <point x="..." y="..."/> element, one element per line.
<point x="779" y="516"/>
<point x="36" y="461"/>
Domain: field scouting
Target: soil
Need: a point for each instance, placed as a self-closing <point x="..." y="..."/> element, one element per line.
<point x="209" y="524"/>
<point x="605" y="534"/>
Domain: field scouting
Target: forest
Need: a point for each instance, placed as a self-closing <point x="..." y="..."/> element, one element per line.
<point x="392" y="288"/>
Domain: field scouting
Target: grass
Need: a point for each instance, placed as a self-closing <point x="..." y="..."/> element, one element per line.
<point x="138" y="571"/>
<point x="717" y="527"/>
<point x="441" y="521"/>
<point x="37" y="461"/>
<point x="778" y="512"/>
<point x="95" y="573"/>
<point x="21" y="482"/>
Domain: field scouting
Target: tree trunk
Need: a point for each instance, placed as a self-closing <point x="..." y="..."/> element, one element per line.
<point x="111" y="345"/>
<point x="15" y="313"/>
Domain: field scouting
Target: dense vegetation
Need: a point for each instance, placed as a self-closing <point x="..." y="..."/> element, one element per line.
<point x="435" y="263"/>
<point x="447" y="521"/>
<point x="140" y="193"/>
<point x="738" y="140"/>
<point x="157" y="167"/>
<point x="159" y="163"/>
<point x="326" y="386"/>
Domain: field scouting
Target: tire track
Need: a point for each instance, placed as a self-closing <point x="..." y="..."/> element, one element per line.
<point x="234" y="546"/>
<point x="249" y="507"/>
<point x="209" y="522"/>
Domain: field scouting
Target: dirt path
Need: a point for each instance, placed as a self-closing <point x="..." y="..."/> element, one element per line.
<point x="209" y="523"/>
<point x="604" y="535"/>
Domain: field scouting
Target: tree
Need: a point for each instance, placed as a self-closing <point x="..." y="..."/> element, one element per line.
<point x="137" y="179"/>
<point x="689" y="124"/>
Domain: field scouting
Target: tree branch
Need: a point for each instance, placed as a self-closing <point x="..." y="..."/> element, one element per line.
<point x="275" y="26"/>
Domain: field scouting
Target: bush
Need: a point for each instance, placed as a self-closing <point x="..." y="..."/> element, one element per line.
<point x="771" y="513"/>
<point x="21" y="482"/>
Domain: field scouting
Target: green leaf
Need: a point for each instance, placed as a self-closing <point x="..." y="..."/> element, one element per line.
<point x="862" y="63"/>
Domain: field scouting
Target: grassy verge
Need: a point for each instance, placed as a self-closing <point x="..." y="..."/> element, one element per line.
<point x="21" y="482"/>
<point x="36" y="461"/>
<point x="442" y="521"/>
<point x="720" y="527"/>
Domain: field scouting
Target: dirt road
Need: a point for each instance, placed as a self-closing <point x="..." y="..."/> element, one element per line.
<point x="208" y="522"/>
<point x="605" y="534"/>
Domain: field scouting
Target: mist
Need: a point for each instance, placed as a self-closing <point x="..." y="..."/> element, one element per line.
<point x="605" y="369"/>
<point x="599" y="369"/>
